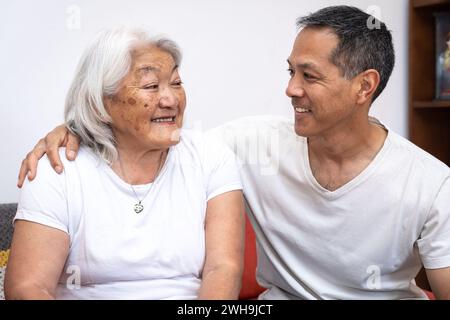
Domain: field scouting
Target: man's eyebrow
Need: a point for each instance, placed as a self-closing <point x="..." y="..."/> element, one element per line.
<point x="305" y="65"/>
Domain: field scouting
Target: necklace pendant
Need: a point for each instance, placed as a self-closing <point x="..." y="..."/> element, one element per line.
<point x="138" y="207"/>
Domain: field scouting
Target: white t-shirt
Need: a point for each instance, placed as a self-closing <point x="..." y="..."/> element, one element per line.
<point x="365" y="240"/>
<point x="116" y="253"/>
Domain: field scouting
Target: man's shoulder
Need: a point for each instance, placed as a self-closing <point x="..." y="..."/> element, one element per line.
<point x="254" y="124"/>
<point x="259" y="120"/>
<point x="418" y="155"/>
<point x="196" y="146"/>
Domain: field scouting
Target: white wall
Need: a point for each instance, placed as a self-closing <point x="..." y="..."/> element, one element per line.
<point x="234" y="60"/>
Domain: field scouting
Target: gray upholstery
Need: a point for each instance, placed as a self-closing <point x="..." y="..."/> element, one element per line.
<point x="7" y="213"/>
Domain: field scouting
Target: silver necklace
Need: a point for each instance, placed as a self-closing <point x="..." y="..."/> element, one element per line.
<point x="139" y="207"/>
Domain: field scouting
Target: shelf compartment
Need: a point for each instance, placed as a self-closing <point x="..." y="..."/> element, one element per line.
<point x="431" y="104"/>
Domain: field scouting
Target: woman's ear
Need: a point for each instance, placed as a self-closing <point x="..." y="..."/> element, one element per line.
<point x="368" y="84"/>
<point x="108" y="101"/>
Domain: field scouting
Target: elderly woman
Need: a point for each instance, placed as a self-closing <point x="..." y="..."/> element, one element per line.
<point x="146" y="211"/>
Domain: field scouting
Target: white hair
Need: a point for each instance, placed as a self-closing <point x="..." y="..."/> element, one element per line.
<point x="105" y="62"/>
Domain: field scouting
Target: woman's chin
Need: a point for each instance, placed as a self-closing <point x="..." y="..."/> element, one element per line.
<point x="164" y="142"/>
<point x="164" y="135"/>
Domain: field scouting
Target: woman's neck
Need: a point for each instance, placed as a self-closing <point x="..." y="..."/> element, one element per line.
<point x="139" y="167"/>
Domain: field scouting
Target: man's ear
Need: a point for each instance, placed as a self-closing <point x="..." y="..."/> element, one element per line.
<point x="368" y="82"/>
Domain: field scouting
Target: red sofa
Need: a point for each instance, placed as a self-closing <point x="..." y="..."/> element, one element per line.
<point x="250" y="288"/>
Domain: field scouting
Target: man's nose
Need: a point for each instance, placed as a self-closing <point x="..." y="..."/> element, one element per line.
<point x="295" y="88"/>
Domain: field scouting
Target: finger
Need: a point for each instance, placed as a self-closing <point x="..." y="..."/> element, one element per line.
<point x="22" y="174"/>
<point x="55" y="160"/>
<point x="31" y="163"/>
<point x="73" y="144"/>
<point x="53" y="141"/>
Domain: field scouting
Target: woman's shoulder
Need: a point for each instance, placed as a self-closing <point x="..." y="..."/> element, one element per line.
<point x="85" y="156"/>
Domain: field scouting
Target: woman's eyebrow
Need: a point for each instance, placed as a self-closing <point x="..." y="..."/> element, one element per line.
<point x="148" y="68"/>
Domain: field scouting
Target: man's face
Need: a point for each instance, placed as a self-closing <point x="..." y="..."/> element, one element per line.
<point x="322" y="98"/>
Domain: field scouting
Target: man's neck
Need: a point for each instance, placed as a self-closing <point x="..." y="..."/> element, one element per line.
<point x="348" y="143"/>
<point x="338" y="157"/>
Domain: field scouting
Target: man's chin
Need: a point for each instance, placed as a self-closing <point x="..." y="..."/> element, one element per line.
<point x="301" y="132"/>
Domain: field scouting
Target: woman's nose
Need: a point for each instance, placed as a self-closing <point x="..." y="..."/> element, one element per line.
<point x="168" y="98"/>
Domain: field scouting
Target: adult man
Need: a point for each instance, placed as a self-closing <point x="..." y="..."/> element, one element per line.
<point x="342" y="208"/>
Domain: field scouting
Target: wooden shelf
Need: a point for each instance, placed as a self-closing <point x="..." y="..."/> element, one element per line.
<point x="430" y="3"/>
<point x="429" y="119"/>
<point x="431" y="104"/>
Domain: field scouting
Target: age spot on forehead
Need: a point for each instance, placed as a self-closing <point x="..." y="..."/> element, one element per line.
<point x="131" y="101"/>
<point x="146" y="105"/>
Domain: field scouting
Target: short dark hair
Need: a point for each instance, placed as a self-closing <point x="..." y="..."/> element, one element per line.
<point x="364" y="41"/>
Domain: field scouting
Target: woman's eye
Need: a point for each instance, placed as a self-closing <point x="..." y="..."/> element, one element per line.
<point x="150" y="87"/>
<point x="177" y="83"/>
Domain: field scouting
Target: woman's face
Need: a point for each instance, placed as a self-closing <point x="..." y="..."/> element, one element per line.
<point x="147" y="111"/>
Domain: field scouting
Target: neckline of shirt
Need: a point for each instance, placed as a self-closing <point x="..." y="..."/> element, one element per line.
<point x="361" y="177"/>
<point x="125" y="185"/>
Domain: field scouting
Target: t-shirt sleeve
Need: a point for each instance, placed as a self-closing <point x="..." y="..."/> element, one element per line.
<point x="434" y="243"/>
<point x="221" y="170"/>
<point x="44" y="200"/>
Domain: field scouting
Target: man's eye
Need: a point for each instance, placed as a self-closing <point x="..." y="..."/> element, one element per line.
<point x="291" y="72"/>
<point x="308" y="76"/>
